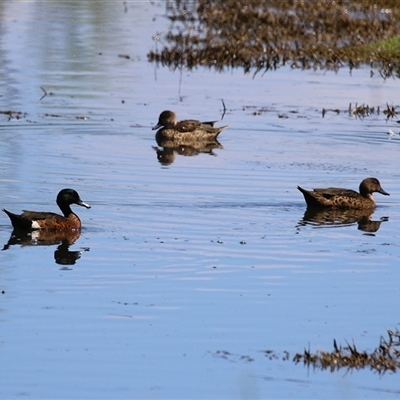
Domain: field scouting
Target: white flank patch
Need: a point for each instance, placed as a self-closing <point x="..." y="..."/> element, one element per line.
<point x="35" y="225"/>
<point x="35" y="235"/>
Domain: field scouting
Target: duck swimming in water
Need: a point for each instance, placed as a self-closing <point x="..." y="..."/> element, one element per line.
<point x="344" y="198"/>
<point x="30" y="220"/>
<point x="189" y="130"/>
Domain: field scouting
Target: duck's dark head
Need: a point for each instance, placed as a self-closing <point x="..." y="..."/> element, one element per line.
<point x="66" y="197"/>
<point x="167" y="119"/>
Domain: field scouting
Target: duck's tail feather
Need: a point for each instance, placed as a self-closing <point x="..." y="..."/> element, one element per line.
<point x="17" y="221"/>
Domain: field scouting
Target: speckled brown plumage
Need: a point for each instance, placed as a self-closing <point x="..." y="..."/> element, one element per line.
<point x="30" y="220"/>
<point x="185" y="132"/>
<point x="344" y="198"/>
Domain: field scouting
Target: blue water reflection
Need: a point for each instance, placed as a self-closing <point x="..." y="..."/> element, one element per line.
<point x="190" y="259"/>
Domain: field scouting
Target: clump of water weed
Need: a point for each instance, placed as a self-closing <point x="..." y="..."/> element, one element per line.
<point x="259" y="36"/>
<point x="364" y="110"/>
<point x="386" y="357"/>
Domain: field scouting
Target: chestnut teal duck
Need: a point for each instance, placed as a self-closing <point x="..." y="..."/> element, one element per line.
<point x="31" y="220"/>
<point x="187" y="131"/>
<point x="344" y="198"/>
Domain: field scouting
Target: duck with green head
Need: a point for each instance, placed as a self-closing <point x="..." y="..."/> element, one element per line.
<point x="31" y="220"/>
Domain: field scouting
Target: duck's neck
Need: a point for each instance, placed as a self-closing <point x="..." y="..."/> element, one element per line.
<point x="66" y="209"/>
<point x="367" y="195"/>
<point x="364" y="192"/>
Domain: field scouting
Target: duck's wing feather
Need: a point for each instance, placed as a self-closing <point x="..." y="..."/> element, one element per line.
<point x="190" y="125"/>
<point x="209" y="127"/>
<point x="187" y="125"/>
<point x="328" y="193"/>
<point x="211" y="123"/>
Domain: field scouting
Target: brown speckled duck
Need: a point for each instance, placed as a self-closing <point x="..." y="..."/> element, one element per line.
<point x="344" y="198"/>
<point x="31" y="220"/>
<point x="187" y="131"/>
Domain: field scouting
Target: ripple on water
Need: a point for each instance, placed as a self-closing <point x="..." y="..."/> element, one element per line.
<point x="209" y="253"/>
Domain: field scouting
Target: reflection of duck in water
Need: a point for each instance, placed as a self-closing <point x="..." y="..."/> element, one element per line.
<point x="64" y="256"/>
<point x="41" y="237"/>
<point x="344" y="198"/>
<point x="64" y="239"/>
<point x="30" y="220"/>
<point x="334" y="217"/>
<point x="187" y="132"/>
<point x="167" y="153"/>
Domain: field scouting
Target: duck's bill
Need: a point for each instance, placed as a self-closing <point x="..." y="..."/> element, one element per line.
<point x="156" y="127"/>
<point x="81" y="203"/>
<point x="384" y="192"/>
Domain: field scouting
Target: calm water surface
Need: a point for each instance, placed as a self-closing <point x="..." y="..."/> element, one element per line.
<point x="190" y="269"/>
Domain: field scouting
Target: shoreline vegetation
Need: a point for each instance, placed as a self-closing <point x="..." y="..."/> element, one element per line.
<point x="259" y="36"/>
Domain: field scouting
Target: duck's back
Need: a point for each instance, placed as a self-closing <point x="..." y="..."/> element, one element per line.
<point x="192" y="125"/>
<point x="39" y="215"/>
<point x="332" y="192"/>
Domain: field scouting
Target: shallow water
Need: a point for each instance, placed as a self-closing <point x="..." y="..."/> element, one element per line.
<point x="189" y="271"/>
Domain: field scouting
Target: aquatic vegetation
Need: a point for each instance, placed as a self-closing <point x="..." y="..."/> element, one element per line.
<point x="386" y="357"/>
<point x="364" y="110"/>
<point x="260" y="36"/>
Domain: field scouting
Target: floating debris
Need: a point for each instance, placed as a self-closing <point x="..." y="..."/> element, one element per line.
<point x="325" y="110"/>
<point x="391" y="133"/>
<point x="231" y="357"/>
<point x="13" y="114"/>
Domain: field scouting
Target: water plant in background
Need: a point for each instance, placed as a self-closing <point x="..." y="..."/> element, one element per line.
<point x="259" y="36"/>
<point x="386" y="357"/>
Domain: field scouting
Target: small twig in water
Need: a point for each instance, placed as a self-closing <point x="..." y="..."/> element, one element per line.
<point x="223" y="114"/>
<point x="45" y="93"/>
